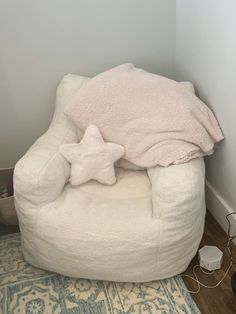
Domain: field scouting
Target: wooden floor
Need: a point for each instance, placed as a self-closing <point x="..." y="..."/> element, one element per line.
<point x="220" y="300"/>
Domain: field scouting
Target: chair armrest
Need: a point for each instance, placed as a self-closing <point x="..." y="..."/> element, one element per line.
<point x="178" y="190"/>
<point x="41" y="174"/>
<point x="179" y="208"/>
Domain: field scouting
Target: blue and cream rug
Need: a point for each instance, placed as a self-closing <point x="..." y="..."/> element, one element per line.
<point x="26" y="289"/>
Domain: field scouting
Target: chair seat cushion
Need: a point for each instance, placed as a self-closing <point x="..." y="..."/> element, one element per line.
<point x="111" y="233"/>
<point x="104" y="212"/>
<point x="98" y="226"/>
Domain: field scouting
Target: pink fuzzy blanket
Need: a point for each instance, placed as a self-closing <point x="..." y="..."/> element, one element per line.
<point x="159" y="121"/>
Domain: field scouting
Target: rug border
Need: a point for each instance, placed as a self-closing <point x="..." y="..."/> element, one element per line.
<point x="187" y="295"/>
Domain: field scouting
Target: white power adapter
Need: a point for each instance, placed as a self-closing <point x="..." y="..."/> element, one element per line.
<point x="210" y="257"/>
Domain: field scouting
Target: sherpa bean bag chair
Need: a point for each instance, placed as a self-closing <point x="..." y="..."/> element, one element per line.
<point x="145" y="227"/>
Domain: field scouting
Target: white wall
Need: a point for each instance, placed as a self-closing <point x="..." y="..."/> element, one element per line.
<point x="206" y="55"/>
<point x="40" y="41"/>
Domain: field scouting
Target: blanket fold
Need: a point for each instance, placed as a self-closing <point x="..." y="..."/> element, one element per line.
<point x="159" y="121"/>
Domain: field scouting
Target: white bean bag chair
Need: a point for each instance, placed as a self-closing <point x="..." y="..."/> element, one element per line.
<point x="147" y="226"/>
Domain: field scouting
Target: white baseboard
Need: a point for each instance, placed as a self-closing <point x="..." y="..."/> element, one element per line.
<point x="219" y="208"/>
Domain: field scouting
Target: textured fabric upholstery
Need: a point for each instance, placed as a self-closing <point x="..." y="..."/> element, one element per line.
<point x="147" y="226"/>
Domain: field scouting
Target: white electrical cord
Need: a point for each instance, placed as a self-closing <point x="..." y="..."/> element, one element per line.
<point x="199" y="283"/>
<point x="196" y="279"/>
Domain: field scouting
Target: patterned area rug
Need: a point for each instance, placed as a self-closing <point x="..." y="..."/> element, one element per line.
<point x="26" y="289"/>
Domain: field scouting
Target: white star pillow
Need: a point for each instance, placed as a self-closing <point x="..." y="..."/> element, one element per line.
<point x="92" y="158"/>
